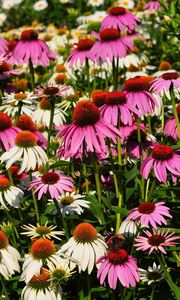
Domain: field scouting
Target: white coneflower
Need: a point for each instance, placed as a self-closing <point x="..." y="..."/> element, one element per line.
<point x="86" y="246"/>
<point x="11" y="103"/>
<point x="3" y="17"/>
<point x="60" y="272"/>
<point x="96" y="2"/>
<point x="42" y="114"/>
<point x="152" y="274"/>
<point x="40" y="287"/>
<point x="9" y="193"/>
<point x="25" y="150"/>
<point x="71" y="203"/>
<point x="40" y="5"/>
<point x="9" y="257"/>
<point x="42" y="253"/>
<point x="41" y="231"/>
<point x="128" y="228"/>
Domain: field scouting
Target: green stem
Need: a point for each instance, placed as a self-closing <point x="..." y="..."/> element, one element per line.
<point x="88" y="75"/>
<point x="119" y="143"/>
<point x="115" y="74"/>
<point x="34" y="201"/>
<point x="96" y="174"/>
<point x="147" y="188"/>
<point x="4" y="290"/>
<point x="151" y="189"/>
<point x="141" y="156"/>
<point x="175" y="112"/>
<point x="168" y="277"/>
<point x="31" y="70"/>
<point x="50" y="125"/>
<point x="152" y="293"/>
<point x="64" y="224"/>
<point x="10" y="176"/>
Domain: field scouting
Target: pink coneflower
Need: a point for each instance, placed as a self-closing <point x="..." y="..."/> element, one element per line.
<point x="118" y="264"/>
<point x="150" y="213"/>
<point x="116" y="104"/>
<point x="156" y="240"/>
<point x="165" y="82"/>
<point x="163" y="157"/>
<point x="153" y="5"/>
<point x="26" y="123"/>
<point x="6" y="70"/>
<point x="136" y="90"/>
<point x="53" y="183"/>
<point x="8" y="132"/>
<point x="49" y="91"/>
<point x="80" y="52"/>
<point x="3" y="48"/>
<point x="119" y="18"/>
<point x="110" y="45"/>
<point x="88" y="129"/>
<point x="134" y="148"/>
<point x="30" y="48"/>
<point x="170" y="128"/>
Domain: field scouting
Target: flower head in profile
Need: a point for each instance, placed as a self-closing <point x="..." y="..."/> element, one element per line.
<point x="9" y="194"/>
<point x="118" y="265"/>
<point x="9" y="257"/>
<point x="152" y="274"/>
<point x="137" y="94"/>
<point x="162" y="158"/>
<point x="41" y="231"/>
<point x="80" y="52"/>
<point x="88" y="129"/>
<point x="52" y="183"/>
<point x="51" y="90"/>
<point x="40" y="287"/>
<point x="86" y="246"/>
<point x="170" y="128"/>
<point x="3" y="47"/>
<point x="109" y="46"/>
<point x="150" y="213"/>
<point x="30" y="48"/>
<point x="26" y="151"/>
<point x="8" y="132"/>
<point x="153" y="5"/>
<point x="165" y="82"/>
<point x="72" y="203"/>
<point x="155" y="241"/>
<point x="6" y="70"/>
<point x="119" y="18"/>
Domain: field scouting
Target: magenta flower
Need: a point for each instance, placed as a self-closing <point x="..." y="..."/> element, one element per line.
<point x="80" y="52"/>
<point x="170" y="128"/>
<point x="163" y="158"/>
<point x="55" y="183"/>
<point x="116" y="104"/>
<point x="30" y="48"/>
<point x="150" y="213"/>
<point x="3" y="48"/>
<point x="163" y="83"/>
<point x="118" y="265"/>
<point x="87" y="132"/>
<point x="49" y="91"/>
<point x="109" y="46"/>
<point x="6" y="70"/>
<point x="153" y="5"/>
<point x="155" y="241"/>
<point x="136" y="90"/>
<point x="125" y="131"/>
<point x="8" y="132"/>
<point x="119" y="18"/>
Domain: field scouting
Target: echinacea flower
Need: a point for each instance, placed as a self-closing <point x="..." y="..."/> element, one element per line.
<point x="163" y="84"/>
<point x="41" y="231"/>
<point x="88" y="129"/>
<point x="9" y="257"/>
<point x="6" y="70"/>
<point x="119" y="18"/>
<point x="80" y="52"/>
<point x="26" y="123"/>
<point x="30" y="48"/>
<point x="116" y="105"/>
<point x="42" y="252"/>
<point x="156" y="240"/>
<point x="40" y="5"/>
<point x="8" y="132"/>
<point x="42" y="114"/>
<point x="170" y="127"/>
<point x="51" y="90"/>
<point x="163" y="158"/>
<point x="137" y="94"/>
<point x="118" y="265"/>
<point x="3" y="47"/>
<point x="150" y="213"/>
<point x="152" y="274"/>
<point x="11" y="103"/>
<point x="25" y="150"/>
<point x="109" y="46"/>
<point x="53" y="183"/>
<point x="86" y="246"/>
<point x="40" y="287"/>
<point x="153" y="5"/>
<point x="9" y="193"/>
<point x="71" y="203"/>
<point x="128" y="228"/>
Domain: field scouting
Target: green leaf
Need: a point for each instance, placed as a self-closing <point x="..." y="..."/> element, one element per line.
<point x="61" y="163"/>
<point x="121" y="210"/>
<point x="96" y="208"/>
<point x="131" y="174"/>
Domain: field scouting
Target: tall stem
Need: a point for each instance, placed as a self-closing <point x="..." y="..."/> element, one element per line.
<point x="4" y="290"/>
<point x="50" y="124"/>
<point x="141" y="155"/>
<point x="34" y="201"/>
<point x="31" y="70"/>
<point x="175" y="112"/>
<point x="61" y="218"/>
<point x="96" y="173"/>
<point x="88" y="75"/>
